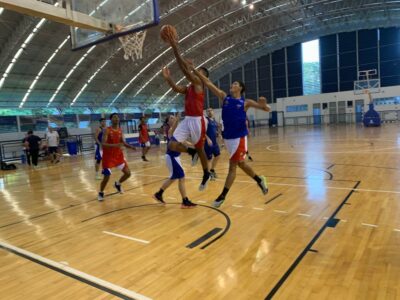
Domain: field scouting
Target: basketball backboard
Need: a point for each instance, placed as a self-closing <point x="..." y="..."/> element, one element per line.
<point x="367" y="81"/>
<point x="131" y="15"/>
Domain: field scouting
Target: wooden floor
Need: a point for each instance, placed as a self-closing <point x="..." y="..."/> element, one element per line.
<point x="328" y="229"/>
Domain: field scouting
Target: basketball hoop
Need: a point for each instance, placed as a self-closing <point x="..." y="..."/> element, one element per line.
<point x="133" y="45"/>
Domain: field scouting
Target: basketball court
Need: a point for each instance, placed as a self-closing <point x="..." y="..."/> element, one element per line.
<point x="329" y="227"/>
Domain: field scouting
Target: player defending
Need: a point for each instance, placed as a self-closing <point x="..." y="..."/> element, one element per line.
<point x="113" y="157"/>
<point x="98" y="137"/>
<point x="194" y="124"/>
<point x="211" y="147"/>
<point x="144" y="139"/>
<point x="234" y="131"/>
<point x="175" y="169"/>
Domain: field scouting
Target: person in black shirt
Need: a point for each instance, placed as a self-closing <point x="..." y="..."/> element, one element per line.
<point x="33" y="146"/>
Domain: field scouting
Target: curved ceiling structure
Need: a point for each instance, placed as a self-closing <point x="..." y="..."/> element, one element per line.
<point x="38" y="69"/>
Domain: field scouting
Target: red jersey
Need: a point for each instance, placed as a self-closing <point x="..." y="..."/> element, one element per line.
<point x="194" y="102"/>
<point x="113" y="156"/>
<point x="143" y="134"/>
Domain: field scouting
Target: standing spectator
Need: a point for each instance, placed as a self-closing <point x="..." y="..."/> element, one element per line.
<point x="33" y="145"/>
<point x="53" y="140"/>
<point x="25" y="147"/>
<point x="144" y="139"/>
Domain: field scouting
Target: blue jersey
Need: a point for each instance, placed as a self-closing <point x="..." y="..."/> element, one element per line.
<point x="100" y="135"/>
<point x="233" y="118"/>
<point x="170" y="152"/>
<point x="212" y="130"/>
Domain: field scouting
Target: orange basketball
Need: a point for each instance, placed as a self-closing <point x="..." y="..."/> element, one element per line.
<point x="168" y="33"/>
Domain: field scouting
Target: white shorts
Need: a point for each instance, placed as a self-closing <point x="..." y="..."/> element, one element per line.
<point x="236" y="148"/>
<point x="192" y="129"/>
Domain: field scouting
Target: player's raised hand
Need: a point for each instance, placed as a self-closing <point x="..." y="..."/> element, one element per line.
<point x="165" y="72"/>
<point x="262" y="101"/>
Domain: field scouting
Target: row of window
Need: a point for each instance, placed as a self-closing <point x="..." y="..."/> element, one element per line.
<point x="330" y="64"/>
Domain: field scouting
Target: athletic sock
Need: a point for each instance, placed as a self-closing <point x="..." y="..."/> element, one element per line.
<point x="191" y="151"/>
<point x="257" y="179"/>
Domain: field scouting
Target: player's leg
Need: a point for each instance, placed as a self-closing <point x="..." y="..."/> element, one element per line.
<point x="216" y="155"/>
<point x="197" y="128"/>
<point x="261" y="180"/>
<point x="182" y="134"/>
<point x="103" y="184"/>
<point x="230" y="178"/>
<point x="159" y="195"/>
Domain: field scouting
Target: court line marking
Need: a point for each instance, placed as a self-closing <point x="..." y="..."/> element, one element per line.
<point x="273" y="198"/>
<point x="200" y="201"/>
<point x="280" y="211"/>
<point x="304" y="215"/>
<point x="258" y="208"/>
<point x="369" y="225"/>
<point x="398" y="230"/>
<point x="236" y="205"/>
<point x="96" y="282"/>
<point x="309" y="246"/>
<point x="126" y="237"/>
<point x="203" y="238"/>
<point x="296" y="185"/>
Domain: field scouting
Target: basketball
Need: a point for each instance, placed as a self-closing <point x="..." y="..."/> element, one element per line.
<point x="168" y="32"/>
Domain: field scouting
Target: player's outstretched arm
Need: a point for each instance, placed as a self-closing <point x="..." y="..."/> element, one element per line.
<point x="167" y="77"/>
<point x="260" y="104"/>
<point x="183" y="64"/>
<point x="207" y="82"/>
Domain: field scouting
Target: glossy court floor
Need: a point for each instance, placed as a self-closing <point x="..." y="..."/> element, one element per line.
<point x="328" y="229"/>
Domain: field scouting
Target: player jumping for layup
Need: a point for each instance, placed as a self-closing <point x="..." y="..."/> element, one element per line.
<point x="194" y="124"/>
<point x="234" y="131"/>
<point x="113" y="157"/>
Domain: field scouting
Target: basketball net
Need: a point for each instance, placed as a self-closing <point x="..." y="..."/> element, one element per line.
<point x="133" y="45"/>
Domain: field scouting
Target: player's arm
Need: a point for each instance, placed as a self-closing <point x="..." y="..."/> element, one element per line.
<point x="122" y="141"/>
<point x="96" y="136"/>
<point x="177" y="88"/>
<point x="211" y="86"/>
<point x="260" y="104"/>
<point x="209" y="141"/>
<point x="183" y="64"/>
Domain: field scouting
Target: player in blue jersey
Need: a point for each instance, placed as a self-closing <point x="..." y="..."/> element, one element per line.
<point x="211" y="147"/>
<point x="98" y="136"/>
<point x="172" y="159"/>
<point x="234" y="131"/>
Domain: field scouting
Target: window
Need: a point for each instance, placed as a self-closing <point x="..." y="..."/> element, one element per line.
<point x="311" y="68"/>
<point x="387" y="101"/>
<point x="296" y="108"/>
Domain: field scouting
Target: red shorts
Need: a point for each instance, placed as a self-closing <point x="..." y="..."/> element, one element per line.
<point x="237" y="148"/>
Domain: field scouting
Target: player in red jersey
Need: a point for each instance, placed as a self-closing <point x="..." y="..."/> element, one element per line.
<point x="193" y="127"/>
<point x="113" y="157"/>
<point x="144" y="139"/>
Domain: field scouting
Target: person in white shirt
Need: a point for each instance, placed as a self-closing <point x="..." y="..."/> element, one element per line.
<point x="53" y="141"/>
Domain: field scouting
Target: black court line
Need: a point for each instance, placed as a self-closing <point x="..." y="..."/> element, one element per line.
<point x="273" y="198"/>
<point x="203" y="238"/>
<point x="75" y="205"/>
<point x="331" y="166"/>
<point x="226" y="229"/>
<point x="309" y="246"/>
<point x="81" y="279"/>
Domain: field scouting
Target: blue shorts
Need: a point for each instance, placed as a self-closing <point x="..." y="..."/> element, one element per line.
<point x="211" y="150"/>
<point x="98" y="156"/>
<point x="174" y="167"/>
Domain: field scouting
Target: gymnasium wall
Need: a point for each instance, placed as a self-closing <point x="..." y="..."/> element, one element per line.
<point x="280" y="74"/>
